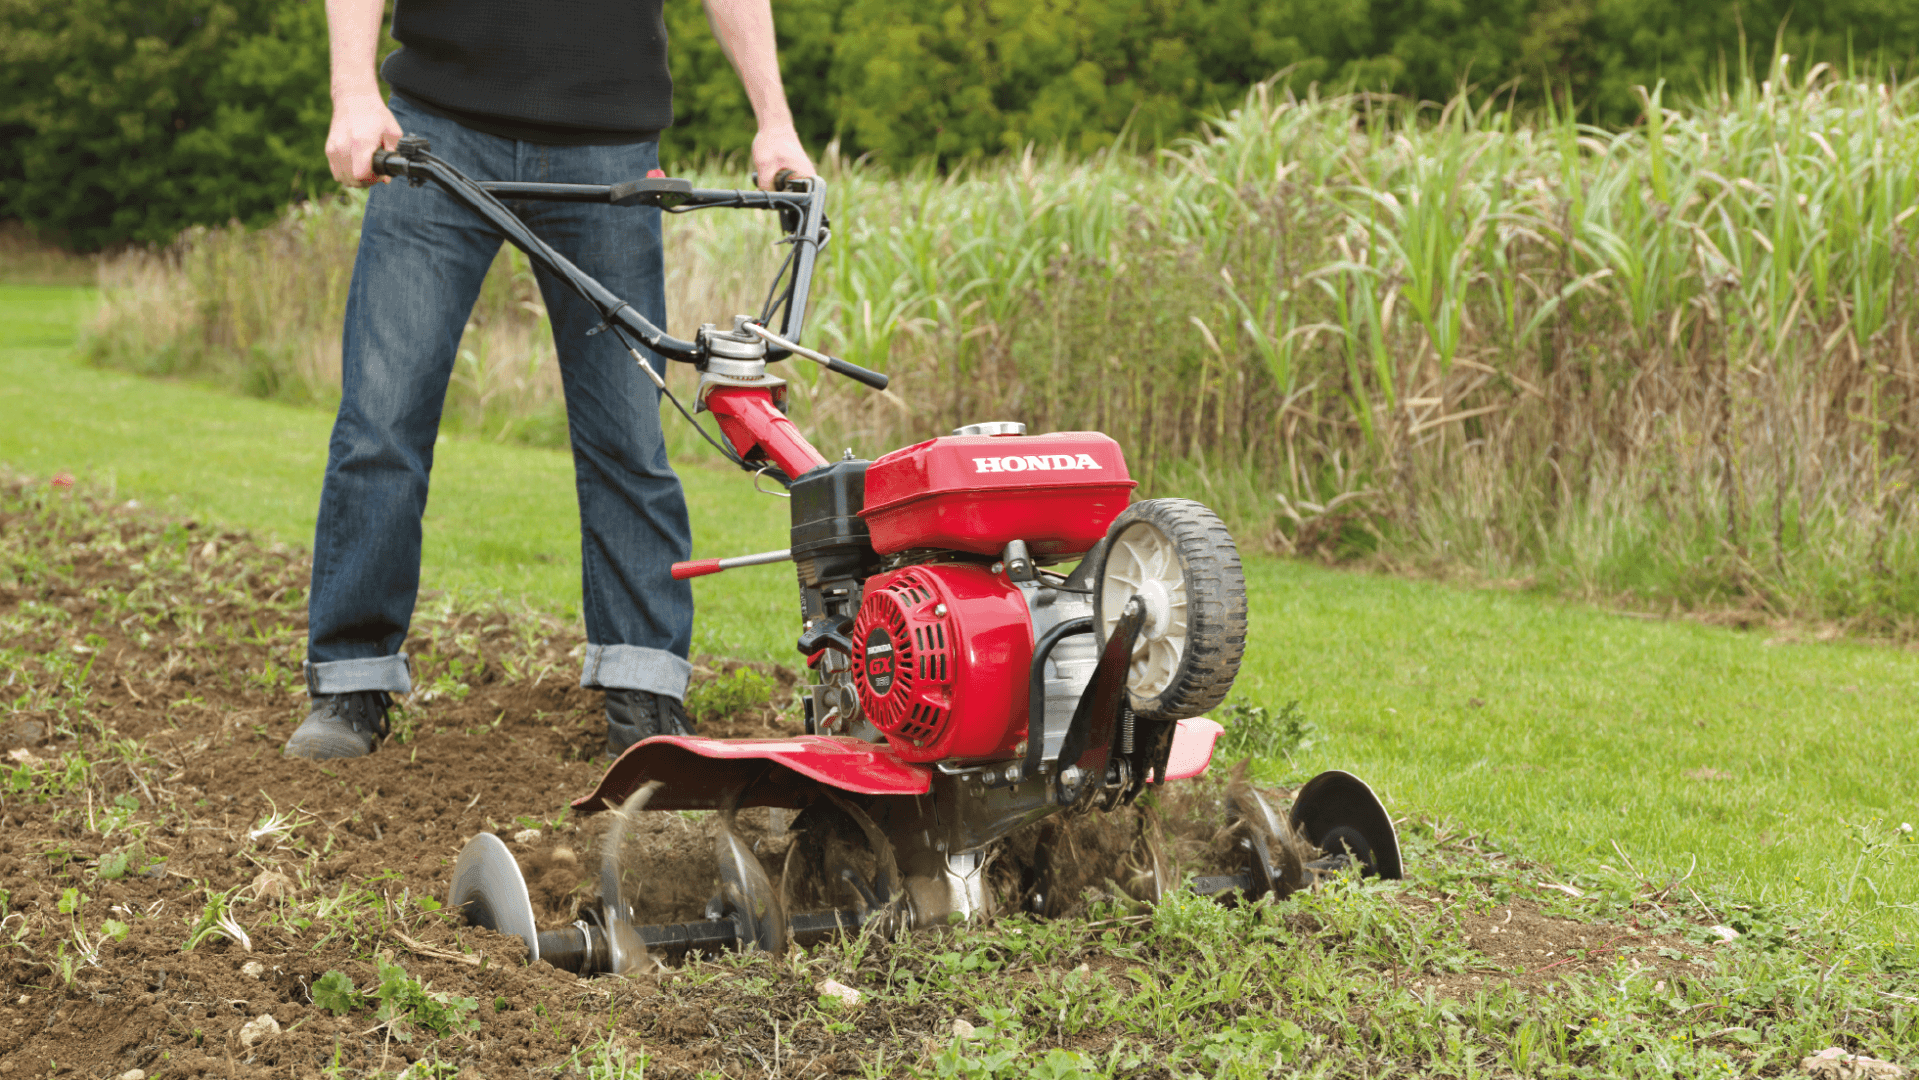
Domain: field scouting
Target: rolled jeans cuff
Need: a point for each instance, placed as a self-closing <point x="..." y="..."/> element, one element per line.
<point x="632" y="667"/>
<point x="387" y="673"/>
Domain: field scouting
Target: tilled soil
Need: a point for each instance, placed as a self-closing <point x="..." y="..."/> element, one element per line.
<point x="149" y="675"/>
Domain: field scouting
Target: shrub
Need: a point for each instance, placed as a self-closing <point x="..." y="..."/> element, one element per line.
<point x="970" y="78"/>
<point x="1672" y="364"/>
<point x="129" y="120"/>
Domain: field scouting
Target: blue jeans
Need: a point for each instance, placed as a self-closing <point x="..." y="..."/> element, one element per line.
<point x="421" y="261"/>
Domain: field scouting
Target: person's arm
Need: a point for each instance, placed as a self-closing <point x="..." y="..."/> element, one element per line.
<point x="745" y="31"/>
<point x="361" y="121"/>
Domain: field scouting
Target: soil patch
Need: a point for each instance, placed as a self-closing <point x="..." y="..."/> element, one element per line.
<point x="169" y="877"/>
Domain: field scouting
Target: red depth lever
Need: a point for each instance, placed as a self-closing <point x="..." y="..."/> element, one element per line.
<point x="702" y="567"/>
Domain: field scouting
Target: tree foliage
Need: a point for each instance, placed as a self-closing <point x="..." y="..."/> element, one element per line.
<point x="953" y="79"/>
<point x="128" y="120"/>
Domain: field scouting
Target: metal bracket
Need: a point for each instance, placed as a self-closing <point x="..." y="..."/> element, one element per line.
<point x="414" y="148"/>
<point x="1018" y="563"/>
<point x="1037" y="694"/>
<point x="1088" y="747"/>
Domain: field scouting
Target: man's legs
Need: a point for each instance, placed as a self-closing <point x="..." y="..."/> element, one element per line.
<point x="421" y="260"/>
<point x="633" y="515"/>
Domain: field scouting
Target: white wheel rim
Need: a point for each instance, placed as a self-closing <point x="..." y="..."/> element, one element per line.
<point x="1142" y="561"/>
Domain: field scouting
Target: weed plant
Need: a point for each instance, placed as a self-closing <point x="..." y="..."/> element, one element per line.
<point x="731" y="693"/>
<point x="1361" y="978"/>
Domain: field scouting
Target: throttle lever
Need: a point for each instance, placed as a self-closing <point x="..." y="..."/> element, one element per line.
<point x="875" y="379"/>
<point x="701" y="567"/>
<point x="827" y="634"/>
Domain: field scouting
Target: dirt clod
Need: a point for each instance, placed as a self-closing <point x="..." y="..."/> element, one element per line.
<point x="841" y="992"/>
<point x="260" y="1027"/>
<point x="1834" y="1063"/>
<point x="151" y="819"/>
<point x="271" y="885"/>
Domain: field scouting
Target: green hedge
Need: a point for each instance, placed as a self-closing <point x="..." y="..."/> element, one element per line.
<point x="905" y="79"/>
<point x="127" y="120"/>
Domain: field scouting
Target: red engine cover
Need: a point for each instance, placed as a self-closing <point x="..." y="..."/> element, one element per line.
<point x="975" y="493"/>
<point x="940" y="657"/>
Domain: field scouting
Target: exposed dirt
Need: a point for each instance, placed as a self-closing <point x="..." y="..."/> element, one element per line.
<point x="150" y="673"/>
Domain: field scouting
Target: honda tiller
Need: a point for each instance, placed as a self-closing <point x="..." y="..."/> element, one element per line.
<point x="962" y="688"/>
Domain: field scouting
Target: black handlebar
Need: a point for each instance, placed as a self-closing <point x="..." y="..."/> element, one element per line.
<point x="865" y="376"/>
<point x="417" y="165"/>
<point x="799" y="203"/>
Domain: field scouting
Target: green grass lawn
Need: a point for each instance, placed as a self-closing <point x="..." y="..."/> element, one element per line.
<point x="1777" y="773"/>
<point x="500" y="520"/>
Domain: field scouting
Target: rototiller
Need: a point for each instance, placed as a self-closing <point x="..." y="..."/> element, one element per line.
<point x="961" y="687"/>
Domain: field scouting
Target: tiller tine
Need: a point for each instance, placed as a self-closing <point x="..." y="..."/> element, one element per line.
<point x="747" y="898"/>
<point x="1143" y="873"/>
<point x="489" y="888"/>
<point x="1339" y="814"/>
<point x="1337" y="822"/>
<point x="747" y="913"/>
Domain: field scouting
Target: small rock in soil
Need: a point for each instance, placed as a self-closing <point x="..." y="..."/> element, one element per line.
<point x="848" y="995"/>
<point x="258" y="1028"/>
<point x="962" y="1029"/>
<point x="1834" y="1063"/>
<point x="527" y="836"/>
<point x="253" y="969"/>
<point x="271" y="885"/>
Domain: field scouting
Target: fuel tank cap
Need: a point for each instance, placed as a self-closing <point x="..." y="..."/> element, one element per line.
<point x="993" y="427"/>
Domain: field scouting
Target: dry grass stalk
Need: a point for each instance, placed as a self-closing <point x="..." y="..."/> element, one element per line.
<point x="1676" y="363"/>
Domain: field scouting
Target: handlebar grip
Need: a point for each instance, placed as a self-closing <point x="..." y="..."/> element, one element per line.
<point x="389" y="163"/>
<point x="696" y="568"/>
<point x="858" y="374"/>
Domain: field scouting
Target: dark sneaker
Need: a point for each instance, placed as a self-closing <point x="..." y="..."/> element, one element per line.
<point x="341" y="725"/>
<point x="633" y="715"/>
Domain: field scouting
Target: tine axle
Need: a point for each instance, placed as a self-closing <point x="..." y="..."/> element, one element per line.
<point x="713" y="935"/>
<point x="1219" y="883"/>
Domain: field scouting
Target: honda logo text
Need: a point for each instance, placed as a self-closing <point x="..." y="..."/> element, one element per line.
<point x="1035" y="463"/>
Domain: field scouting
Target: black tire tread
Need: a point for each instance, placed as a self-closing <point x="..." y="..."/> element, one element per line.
<point x="1216" y="606"/>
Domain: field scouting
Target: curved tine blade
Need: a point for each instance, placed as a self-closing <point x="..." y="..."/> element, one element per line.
<point x="1336" y="799"/>
<point x="488" y="887"/>
<point x="886" y="882"/>
<point x="1287" y="853"/>
<point x="629" y="951"/>
<point x="757" y="907"/>
<point x="611" y="897"/>
<point x="1249" y="808"/>
<point x="786" y="876"/>
<point x="1289" y="865"/>
<point x="1044" y="878"/>
<point x="1148" y="882"/>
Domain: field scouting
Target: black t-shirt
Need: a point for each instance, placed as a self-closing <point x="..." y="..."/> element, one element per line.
<point x="552" y="71"/>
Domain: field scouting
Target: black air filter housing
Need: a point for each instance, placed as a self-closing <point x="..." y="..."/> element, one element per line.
<point x="830" y="540"/>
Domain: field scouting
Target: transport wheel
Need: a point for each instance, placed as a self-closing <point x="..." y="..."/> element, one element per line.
<point x="1177" y="557"/>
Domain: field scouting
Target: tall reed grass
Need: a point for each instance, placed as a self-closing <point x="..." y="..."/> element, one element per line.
<point x="1673" y="365"/>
